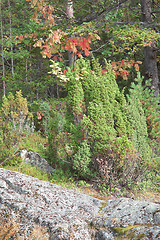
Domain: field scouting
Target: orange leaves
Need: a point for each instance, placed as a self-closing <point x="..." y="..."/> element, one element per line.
<point x="121" y="68"/>
<point x="78" y="44"/>
<point x="71" y="46"/>
<point x="42" y="10"/>
<point x="47" y="11"/>
<point x="84" y="44"/>
<point x="39" y="114"/>
<point x="56" y="42"/>
<point x="23" y="37"/>
<point x="51" y="44"/>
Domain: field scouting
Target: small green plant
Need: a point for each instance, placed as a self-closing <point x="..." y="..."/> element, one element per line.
<point x="63" y="178"/>
<point x="83" y="184"/>
<point x="15" y="114"/>
<point x="15" y="123"/>
<point x="150" y="105"/>
<point x="30" y="170"/>
<point x="57" y="139"/>
<point x="82" y="160"/>
<point x="103" y="189"/>
<point x="43" y="115"/>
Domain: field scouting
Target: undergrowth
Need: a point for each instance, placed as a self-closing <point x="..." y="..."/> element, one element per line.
<point x="147" y="190"/>
<point x="58" y="177"/>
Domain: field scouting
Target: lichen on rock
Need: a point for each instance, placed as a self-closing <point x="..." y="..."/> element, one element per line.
<point x="34" y="206"/>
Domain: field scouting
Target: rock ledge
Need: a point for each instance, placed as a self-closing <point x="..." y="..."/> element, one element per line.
<point x="60" y="213"/>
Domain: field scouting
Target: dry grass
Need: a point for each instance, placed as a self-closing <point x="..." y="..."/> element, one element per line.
<point x="94" y="193"/>
<point x="148" y="196"/>
<point x="39" y="233"/>
<point x="10" y="229"/>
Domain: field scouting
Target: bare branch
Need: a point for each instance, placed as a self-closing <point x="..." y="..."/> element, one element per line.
<point x="96" y="50"/>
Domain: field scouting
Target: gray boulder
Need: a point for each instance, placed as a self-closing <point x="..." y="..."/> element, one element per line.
<point x="36" y="160"/>
<point x="35" y="209"/>
<point x="132" y="219"/>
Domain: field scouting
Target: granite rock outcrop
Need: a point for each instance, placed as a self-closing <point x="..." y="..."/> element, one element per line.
<point x="56" y="213"/>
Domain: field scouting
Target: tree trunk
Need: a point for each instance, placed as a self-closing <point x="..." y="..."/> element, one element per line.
<point x="10" y="24"/>
<point x="151" y="70"/>
<point x="2" y="54"/>
<point x="146" y="11"/>
<point x="150" y="62"/>
<point x="69" y="11"/>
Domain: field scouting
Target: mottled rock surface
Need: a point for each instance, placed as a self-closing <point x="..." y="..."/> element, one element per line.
<point x="67" y="214"/>
<point x="134" y="219"/>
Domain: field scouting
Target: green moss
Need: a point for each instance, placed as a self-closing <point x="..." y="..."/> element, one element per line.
<point x="128" y="232"/>
<point x="120" y="238"/>
<point x="104" y="204"/>
<point x="121" y="230"/>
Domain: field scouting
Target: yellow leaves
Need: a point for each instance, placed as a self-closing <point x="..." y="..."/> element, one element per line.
<point x="94" y="36"/>
<point x="132" y="38"/>
<point x="57" y="71"/>
<point x="136" y="66"/>
<point x="38" y="3"/>
<point x="38" y="43"/>
<point x="55" y="36"/>
<point x="51" y="44"/>
<point x="138" y="62"/>
<point x="34" y="2"/>
<point x="21" y="103"/>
